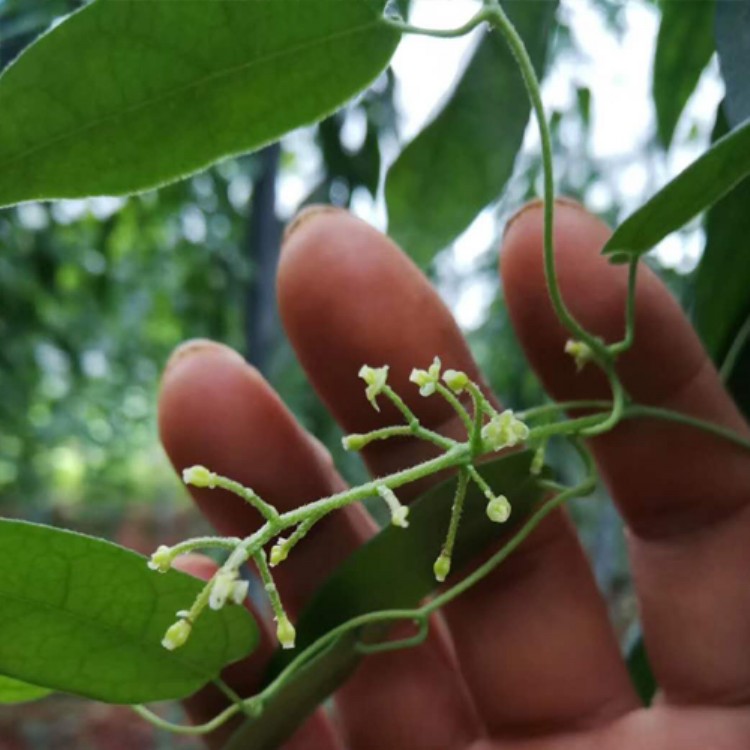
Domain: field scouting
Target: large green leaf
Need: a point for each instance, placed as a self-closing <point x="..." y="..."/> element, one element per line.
<point x="393" y="570"/>
<point x="15" y="691"/>
<point x="125" y="95"/>
<point x="683" y="48"/>
<point x="721" y="288"/>
<point x="722" y="303"/>
<point x="695" y="189"/>
<point x="733" y="46"/>
<point x="84" y="616"/>
<point x="461" y="161"/>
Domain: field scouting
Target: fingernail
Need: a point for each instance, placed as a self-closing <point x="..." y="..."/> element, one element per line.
<point x="538" y="203"/>
<point x="190" y="348"/>
<point x="304" y="216"/>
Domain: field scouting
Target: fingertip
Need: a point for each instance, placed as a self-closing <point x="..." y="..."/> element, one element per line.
<point x="188" y="350"/>
<point x="305" y="216"/>
<point x="523" y="241"/>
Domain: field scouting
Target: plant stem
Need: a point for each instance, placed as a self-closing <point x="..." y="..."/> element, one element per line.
<point x="453" y="457"/>
<point x="405" y="28"/>
<point x="622" y="346"/>
<point x="727" y="366"/>
<point x="498" y="18"/>
<point x="197" y="729"/>
<point x="456" y="510"/>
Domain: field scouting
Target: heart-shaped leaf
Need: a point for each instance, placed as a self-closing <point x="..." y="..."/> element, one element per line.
<point x="85" y="616"/>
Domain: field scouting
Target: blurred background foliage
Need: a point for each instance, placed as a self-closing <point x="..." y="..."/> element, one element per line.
<point x="95" y="294"/>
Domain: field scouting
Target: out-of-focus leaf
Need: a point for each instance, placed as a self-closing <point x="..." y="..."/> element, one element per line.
<point x="393" y="570"/>
<point x="126" y="95"/>
<point x="722" y="302"/>
<point x="733" y="46"/>
<point x="639" y="668"/>
<point x="15" y="691"/>
<point x="83" y="616"/>
<point x="695" y="189"/>
<point x="683" y="48"/>
<point x="461" y="161"/>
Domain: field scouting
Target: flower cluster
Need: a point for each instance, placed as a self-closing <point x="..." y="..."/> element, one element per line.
<point x="487" y="431"/>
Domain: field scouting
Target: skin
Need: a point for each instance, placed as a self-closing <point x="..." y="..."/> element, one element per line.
<point x="527" y="659"/>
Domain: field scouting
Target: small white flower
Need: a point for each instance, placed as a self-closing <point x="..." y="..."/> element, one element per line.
<point x="161" y="560"/>
<point x="199" y="476"/>
<point x="504" y="431"/>
<point x="176" y="635"/>
<point x="456" y="380"/>
<point x="399" y="512"/>
<point x="239" y="591"/>
<point x="221" y="588"/>
<point x="376" y="378"/>
<point x="580" y="352"/>
<point x="498" y="509"/>
<point x="285" y="632"/>
<point x="426" y="379"/>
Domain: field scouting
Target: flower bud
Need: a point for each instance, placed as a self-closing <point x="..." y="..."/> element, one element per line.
<point x="442" y="567"/>
<point x="199" y="476"/>
<point x="498" y="509"/>
<point x="456" y="380"/>
<point x="161" y="560"/>
<point x="354" y="442"/>
<point x="176" y="635"/>
<point x="285" y="632"/>
<point x="580" y="352"/>
<point x="279" y="552"/>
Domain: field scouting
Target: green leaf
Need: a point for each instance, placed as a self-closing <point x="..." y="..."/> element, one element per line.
<point x="733" y="46"/>
<point x="87" y="617"/>
<point x="695" y="189"/>
<point x="462" y="160"/>
<point x="683" y="48"/>
<point x="393" y="570"/>
<point x="126" y="95"/>
<point x="723" y="278"/>
<point x="15" y="691"/>
<point x="640" y="671"/>
<point x="722" y="305"/>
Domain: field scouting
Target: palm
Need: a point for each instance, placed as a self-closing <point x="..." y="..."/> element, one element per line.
<point x="526" y="660"/>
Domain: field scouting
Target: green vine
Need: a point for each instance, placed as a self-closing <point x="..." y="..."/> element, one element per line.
<point x="487" y="432"/>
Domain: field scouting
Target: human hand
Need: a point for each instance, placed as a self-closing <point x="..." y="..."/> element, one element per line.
<point x="525" y="660"/>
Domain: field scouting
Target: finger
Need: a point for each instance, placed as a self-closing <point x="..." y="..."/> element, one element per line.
<point x="243" y="677"/>
<point x="216" y="410"/>
<point x="345" y="319"/>
<point x="347" y="295"/>
<point x="682" y="492"/>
